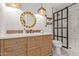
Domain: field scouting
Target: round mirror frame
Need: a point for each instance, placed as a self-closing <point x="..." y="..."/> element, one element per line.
<point x="22" y="20"/>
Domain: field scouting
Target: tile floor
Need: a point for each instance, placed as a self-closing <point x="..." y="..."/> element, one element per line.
<point x="68" y="52"/>
<point x="63" y="52"/>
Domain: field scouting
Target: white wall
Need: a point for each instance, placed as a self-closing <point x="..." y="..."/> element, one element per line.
<point x="11" y="21"/>
<point x="11" y="18"/>
<point x="1" y="18"/>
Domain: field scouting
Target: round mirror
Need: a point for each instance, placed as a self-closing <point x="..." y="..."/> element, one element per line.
<point x="28" y="19"/>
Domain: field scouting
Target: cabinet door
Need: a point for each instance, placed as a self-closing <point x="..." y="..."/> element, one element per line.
<point x="15" y="47"/>
<point x="9" y="47"/>
<point x="34" y="46"/>
<point x="21" y="46"/>
<point x="33" y="43"/>
<point x="46" y="45"/>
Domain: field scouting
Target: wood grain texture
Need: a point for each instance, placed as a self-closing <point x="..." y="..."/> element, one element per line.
<point x="27" y="46"/>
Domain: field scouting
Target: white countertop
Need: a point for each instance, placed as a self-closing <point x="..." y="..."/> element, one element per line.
<point x="6" y="36"/>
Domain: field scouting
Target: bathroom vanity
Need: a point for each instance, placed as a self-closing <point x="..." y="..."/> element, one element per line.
<point x="26" y="45"/>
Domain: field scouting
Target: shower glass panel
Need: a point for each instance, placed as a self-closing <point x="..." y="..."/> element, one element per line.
<point x="60" y="26"/>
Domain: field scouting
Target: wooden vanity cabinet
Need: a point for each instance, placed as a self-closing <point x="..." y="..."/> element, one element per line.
<point x="27" y="46"/>
<point x="46" y="45"/>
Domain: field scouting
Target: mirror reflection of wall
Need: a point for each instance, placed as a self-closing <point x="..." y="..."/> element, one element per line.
<point x="28" y="20"/>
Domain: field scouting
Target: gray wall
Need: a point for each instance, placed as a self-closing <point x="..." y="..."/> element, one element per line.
<point x="74" y="27"/>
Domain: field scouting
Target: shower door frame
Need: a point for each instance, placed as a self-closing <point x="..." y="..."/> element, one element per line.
<point x="62" y="27"/>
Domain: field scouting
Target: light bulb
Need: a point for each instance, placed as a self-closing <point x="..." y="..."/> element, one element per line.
<point x="42" y="12"/>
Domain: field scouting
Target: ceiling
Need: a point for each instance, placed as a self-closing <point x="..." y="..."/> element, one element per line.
<point x="48" y="6"/>
<point x="55" y="6"/>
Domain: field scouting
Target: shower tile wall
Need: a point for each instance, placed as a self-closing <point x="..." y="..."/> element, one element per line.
<point x="74" y="29"/>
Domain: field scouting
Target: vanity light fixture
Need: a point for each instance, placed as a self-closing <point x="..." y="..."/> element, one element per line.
<point x="42" y="10"/>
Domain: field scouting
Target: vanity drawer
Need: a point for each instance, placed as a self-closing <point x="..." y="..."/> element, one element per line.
<point x="33" y="39"/>
<point x="9" y="43"/>
<point x="14" y="50"/>
<point x="33" y="44"/>
<point x="21" y="39"/>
